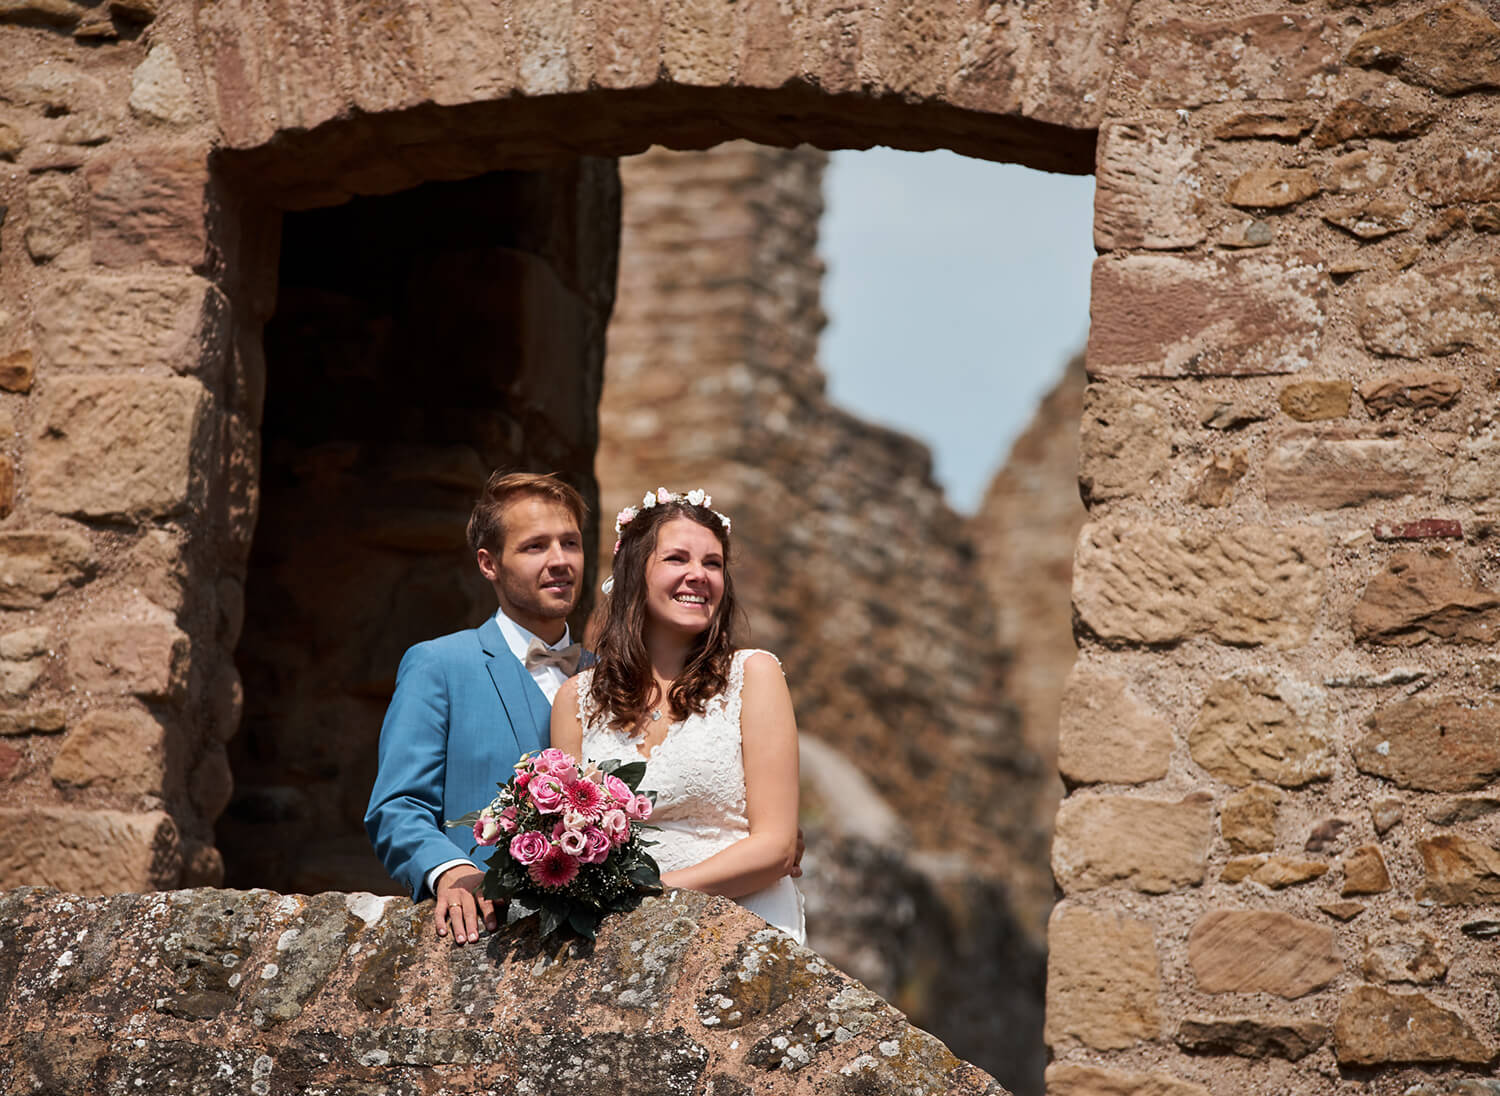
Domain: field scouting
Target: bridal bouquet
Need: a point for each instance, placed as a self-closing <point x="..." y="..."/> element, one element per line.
<point x="569" y="840"/>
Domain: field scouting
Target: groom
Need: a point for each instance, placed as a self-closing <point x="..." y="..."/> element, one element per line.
<point x="467" y="705"/>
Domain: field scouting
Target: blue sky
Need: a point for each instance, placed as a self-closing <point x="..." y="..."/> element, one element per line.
<point x="956" y="291"/>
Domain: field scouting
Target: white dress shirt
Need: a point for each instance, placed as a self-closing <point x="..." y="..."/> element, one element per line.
<point x="548" y="678"/>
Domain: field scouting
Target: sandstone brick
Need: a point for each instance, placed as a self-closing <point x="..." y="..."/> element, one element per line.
<point x="1171" y="316"/>
<point x="1421" y="598"/>
<point x="1414" y="388"/>
<point x="1325" y="469"/>
<point x="19" y="678"/>
<point x="1405" y="955"/>
<point x="35" y="565"/>
<point x="1342" y="911"/>
<point x="1365" y="872"/>
<point x="1151" y="845"/>
<point x="12" y="763"/>
<point x="1358" y="173"/>
<point x="1272" y="188"/>
<point x="34" y="721"/>
<point x="1354" y="119"/>
<point x="1421" y="529"/>
<point x="148" y="205"/>
<point x="1422" y="313"/>
<point x="1377" y="1027"/>
<point x="1289" y="1037"/>
<point x="24" y="643"/>
<point x="158" y="90"/>
<point x="17" y="371"/>
<point x="1247" y="820"/>
<point x="1467" y="809"/>
<point x="87" y="852"/>
<point x="1326" y="836"/>
<point x="1475" y="476"/>
<point x="1217" y="479"/>
<point x="1257" y="727"/>
<point x="1459" y="872"/>
<point x="1106" y="735"/>
<point x="1435" y="744"/>
<point x="117" y="447"/>
<point x="54" y="215"/>
<point x="7" y="486"/>
<point x="1372" y="218"/>
<point x="1064" y="1079"/>
<point x="1285" y="122"/>
<point x="1386" y="815"/>
<point x="1217" y="414"/>
<point x="120" y="750"/>
<point x="1103" y="980"/>
<point x="1452" y="48"/>
<point x="211" y="783"/>
<point x="1472" y="174"/>
<point x="148" y="319"/>
<point x="1162" y="584"/>
<point x="1273" y="872"/>
<point x="1186" y="63"/>
<point x="1313" y="401"/>
<point x="146" y="659"/>
<point x="1446" y="223"/>
<point x="1261" y="951"/>
<point x="1125" y="441"/>
<point x="1147" y="189"/>
<point x="1244" y="234"/>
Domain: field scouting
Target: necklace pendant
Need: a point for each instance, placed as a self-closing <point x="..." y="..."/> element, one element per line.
<point x="655" y="714"/>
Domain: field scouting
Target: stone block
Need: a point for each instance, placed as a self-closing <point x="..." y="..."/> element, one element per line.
<point x="1151" y="845"/>
<point x="117" y="447"/>
<point x="1433" y="744"/>
<point x="1421" y="598"/>
<point x="1405" y="955"/>
<point x="1377" y="1027"/>
<point x="1064" y="1079"/>
<point x="1420" y="529"/>
<point x="1386" y="815"/>
<point x="33" y="721"/>
<point x="1289" y="1037"/>
<point x="1147" y="193"/>
<point x="1314" y="401"/>
<point x="158" y="90"/>
<point x="212" y="783"/>
<point x="1262" y="951"/>
<point x="1470" y="175"/>
<point x="1358" y="173"/>
<point x="24" y="643"/>
<point x="1106" y="735"/>
<point x="1247" y="820"/>
<point x="1257" y="727"/>
<point x="1223" y="315"/>
<point x="1326" y="469"/>
<point x="1103" y="980"/>
<point x="147" y="658"/>
<point x="1354" y="119"/>
<point x="149" y="205"/>
<point x="1217" y="478"/>
<point x="1282" y="122"/>
<point x="1451" y="48"/>
<point x="1161" y="584"/>
<point x="1422" y="313"/>
<point x="1125" y="442"/>
<point x="122" y="751"/>
<point x="54" y="215"/>
<point x="1365" y="872"/>
<point x="1475" y="476"/>
<point x="1371" y="218"/>
<point x="1458" y="871"/>
<point x="1415" y="388"/>
<point x="35" y="565"/>
<point x="18" y="678"/>
<point x="7" y="486"/>
<point x="1273" y="872"/>
<point x="87" y="852"/>
<point x="1272" y="188"/>
<point x="146" y="320"/>
<point x="17" y="371"/>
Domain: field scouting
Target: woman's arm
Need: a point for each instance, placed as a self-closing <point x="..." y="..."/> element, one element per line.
<point x="565" y="730"/>
<point x="768" y="738"/>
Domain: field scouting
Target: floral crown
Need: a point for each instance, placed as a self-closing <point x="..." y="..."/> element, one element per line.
<point x="660" y="497"/>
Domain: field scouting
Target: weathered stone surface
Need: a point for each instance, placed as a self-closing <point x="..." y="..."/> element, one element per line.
<point x="1106" y="735"/>
<point x="1420" y="598"/>
<point x="1162" y="584"/>
<point x="1372" y="219"/>
<point x="1486" y="219"/>
<point x="1152" y="845"/>
<point x="158" y="90"/>
<point x="1183" y="63"/>
<point x="1365" y="872"/>
<point x="87" y="852"/>
<point x="34" y="721"/>
<point x="1273" y="872"/>
<point x="1247" y="820"/>
<point x="148" y="205"/>
<point x="1342" y="911"/>
<point x="17" y="371"/>
<point x="1289" y="1037"/>
<point x="7" y="486"/>
<point x="1326" y="835"/>
<point x="1475" y="476"/>
<point x="1435" y="744"/>
<point x="1421" y="529"/>
<point x="54" y="217"/>
<point x="1125" y="442"/>
<point x="1103" y="980"/>
<point x="1437" y="311"/>
<point x="11" y="142"/>
<point x="1405" y="955"/>
<point x="1325" y="469"/>
<point x="1473" y="175"/>
<point x="1284" y="122"/>
<point x="1064" y="1079"/>
<point x="1358" y="172"/>
<point x="1414" y="388"/>
<point x="1168" y="316"/>
<point x="1254" y="726"/>
<point x="147" y="658"/>
<point x="116" y="447"/>
<point x="1216" y="480"/>
<point x="120" y="750"/>
<point x="1446" y="223"/>
<point x="1313" y="401"/>
<point x="1451" y="48"/>
<point x="1386" y="815"/>
<point x="36" y="565"/>
<point x="1354" y="119"/>
<point x="1376" y="1027"/>
<point x="1147" y="193"/>
<point x="1243" y="234"/>
<point x="1217" y="414"/>
<point x="1467" y="809"/>
<point x="18" y="678"/>
<point x="1459" y="872"/>
<point x="212" y="783"/>
<point x="131" y="321"/>
<point x="1261" y="951"/>
<point x="1272" y="188"/>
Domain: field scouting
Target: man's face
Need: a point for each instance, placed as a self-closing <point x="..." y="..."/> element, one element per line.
<point x="538" y="572"/>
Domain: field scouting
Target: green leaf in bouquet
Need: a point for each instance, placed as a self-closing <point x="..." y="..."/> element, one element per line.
<point x="584" y="922"/>
<point x="646" y="875"/>
<point x="631" y="773"/>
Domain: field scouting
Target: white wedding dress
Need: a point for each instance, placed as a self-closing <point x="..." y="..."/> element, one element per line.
<point x="698" y="774"/>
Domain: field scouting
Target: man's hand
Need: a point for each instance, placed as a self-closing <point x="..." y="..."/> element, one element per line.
<point x="460" y="905"/>
<point x="796" y="872"/>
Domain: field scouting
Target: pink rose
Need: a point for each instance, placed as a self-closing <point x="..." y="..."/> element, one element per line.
<point x="557" y="763"/>
<point x="596" y="846"/>
<point x="616" y="826"/>
<point x="571" y="842"/>
<point x="487" y="830"/>
<point x="529" y="847"/>
<point x="507" y="820"/>
<point x="573" y="820"/>
<point x="618" y="790"/>
<point x="546" y="793"/>
<point x="639" y="808"/>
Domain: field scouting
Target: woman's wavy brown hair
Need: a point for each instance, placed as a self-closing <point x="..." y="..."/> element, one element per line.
<point x="623" y="685"/>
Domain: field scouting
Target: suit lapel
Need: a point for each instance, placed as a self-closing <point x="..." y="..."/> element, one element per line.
<point x="523" y="700"/>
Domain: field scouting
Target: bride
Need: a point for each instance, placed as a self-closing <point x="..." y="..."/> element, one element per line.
<point x="713" y="723"/>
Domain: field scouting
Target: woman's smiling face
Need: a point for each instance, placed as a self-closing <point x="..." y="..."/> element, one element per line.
<point x="684" y="576"/>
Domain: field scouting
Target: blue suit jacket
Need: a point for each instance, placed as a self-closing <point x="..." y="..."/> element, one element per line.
<point x="464" y="710"/>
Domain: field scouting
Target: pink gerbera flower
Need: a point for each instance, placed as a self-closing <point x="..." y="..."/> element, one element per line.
<point x="585" y="797"/>
<point x="555" y="869"/>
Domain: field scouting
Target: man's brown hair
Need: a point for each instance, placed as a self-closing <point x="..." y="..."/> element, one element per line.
<point x="486" y="527"/>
